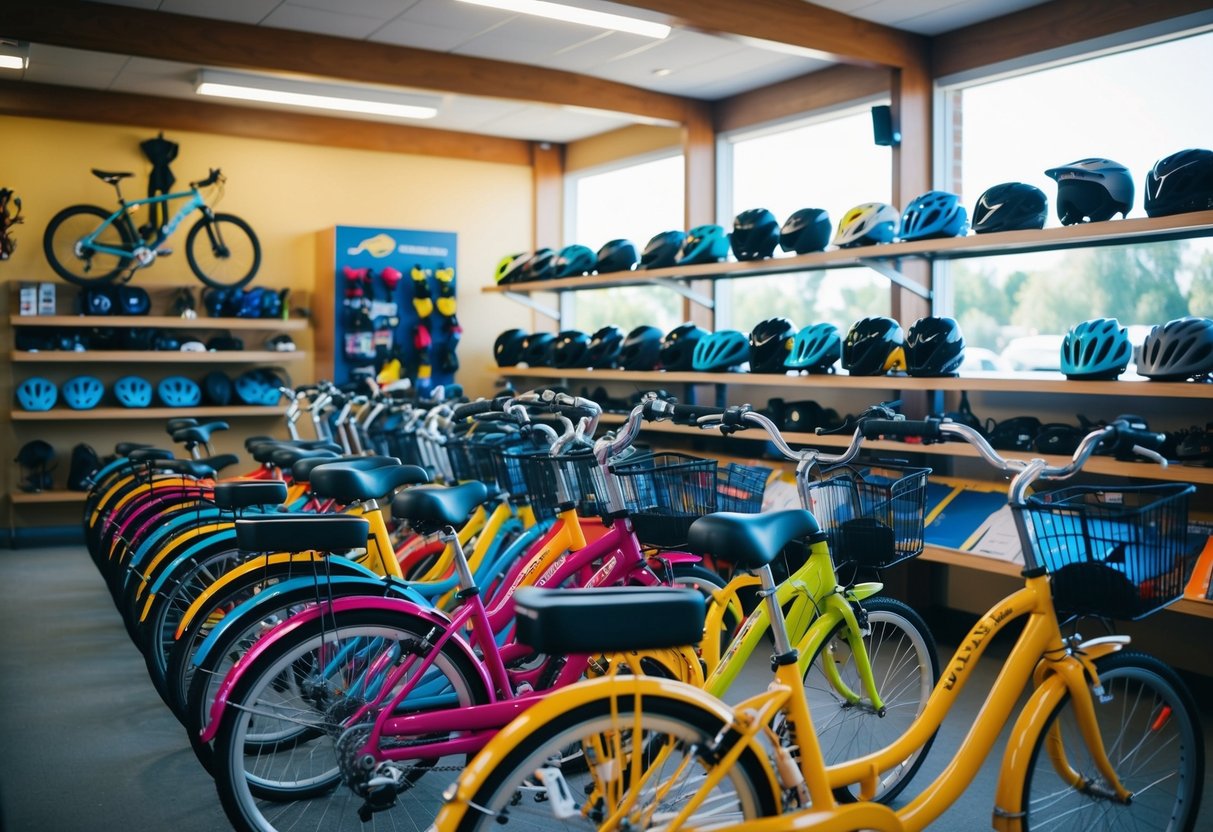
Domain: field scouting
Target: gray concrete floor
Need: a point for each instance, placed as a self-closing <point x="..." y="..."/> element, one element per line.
<point x="86" y="744"/>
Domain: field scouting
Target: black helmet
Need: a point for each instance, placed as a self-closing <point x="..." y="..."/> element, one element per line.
<point x="678" y="346"/>
<point x="37" y="453"/>
<point x="540" y="266"/>
<point x="934" y="347"/>
<point x="1180" y="183"/>
<point x="755" y="233"/>
<point x="1178" y="350"/>
<point x="806" y="230"/>
<point x="507" y="349"/>
<point x="616" y="256"/>
<point x="641" y="349"/>
<point x="603" y="349"/>
<point x="873" y="347"/>
<point x="662" y="251"/>
<point x="217" y="388"/>
<point x="1092" y="190"/>
<point x="509" y="270"/>
<point x="570" y="348"/>
<point x="537" y="350"/>
<point x="1011" y="206"/>
<point x="574" y="261"/>
<point x="770" y="344"/>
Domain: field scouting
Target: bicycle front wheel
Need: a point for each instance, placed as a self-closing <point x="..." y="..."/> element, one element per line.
<point x="1152" y="736"/>
<point x="223" y="251"/>
<point x="82" y="264"/>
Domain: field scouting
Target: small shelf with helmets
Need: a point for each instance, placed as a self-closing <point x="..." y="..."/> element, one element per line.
<point x="64" y="414"/>
<point x="155" y="357"/>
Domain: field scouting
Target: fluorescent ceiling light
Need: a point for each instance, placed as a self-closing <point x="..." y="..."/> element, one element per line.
<point x="13" y="62"/>
<point x="314" y="95"/>
<point x="586" y="17"/>
<point x="13" y="54"/>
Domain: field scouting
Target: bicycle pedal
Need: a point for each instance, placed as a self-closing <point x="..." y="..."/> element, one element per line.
<point x="163" y="252"/>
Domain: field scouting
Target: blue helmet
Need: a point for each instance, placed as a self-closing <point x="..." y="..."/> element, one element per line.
<point x="132" y="391"/>
<point x="179" y="391"/>
<point x="662" y="250"/>
<point x="258" y="387"/>
<point x="1096" y="349"/>
<point x="37" y="394"/>
<point x="704" y="244"/>
<point x="83" y="392"/>
<point x="755" y="234"/>
<point x="721" y="351"/>
<point x="934" y="214"/>
<point x="815" y="348"/>
<point x="574" y="261"/>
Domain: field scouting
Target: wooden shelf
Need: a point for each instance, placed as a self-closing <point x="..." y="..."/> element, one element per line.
<point x="157" y="357"/>
<point x="24" y="498"/>
<point x="1035" y="382"/>
<point x="162" y="322"/>
<point x="61" y="414"/>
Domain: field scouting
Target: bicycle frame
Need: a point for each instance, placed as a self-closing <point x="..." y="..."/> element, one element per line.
<point x="196" y="202"/>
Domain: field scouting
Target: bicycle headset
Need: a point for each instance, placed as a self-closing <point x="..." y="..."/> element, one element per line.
<point x="1011" y="206"/>
<point x="616" y="256"/>
<point x="771" y="344"/>
<point x="678" y="346"/>
<point x="179" y="391"/>
<point x="641" y="349"/>
<point x="806" y="230"/>
<point x="603" y="350"/>
<point x="755" y="234"/>
<point x="721" y="351"/>
<point x="1180" y="183"/>
<point x="933" y="215"/>
<point x="815" y="348"/>
<point x="662" y="250"/>
<point x="867" y="224"/>
<point x="574" y="261"/>
<point x="36" y="394"/>
<point x="1178" y="350"/>
<point x="132" y="391"/>
<point x="507" y="349"/>
<point x="703" y="244"/>
<point x="1092" y="190"/>
<point x="82" y="392"/>
<point x="1096" y="349"/>
<point x="934" y="347"/>
<point x="873" y="347"/>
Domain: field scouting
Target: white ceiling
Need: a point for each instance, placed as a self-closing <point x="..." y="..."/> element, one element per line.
<point x="687" y="63"/>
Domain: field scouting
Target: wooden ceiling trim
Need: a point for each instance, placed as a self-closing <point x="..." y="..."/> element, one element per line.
<point x="832" y="87"/>
<point x="19" y="98"/>
<point x="1040" y="28"/>
<point x="193" y="40"/>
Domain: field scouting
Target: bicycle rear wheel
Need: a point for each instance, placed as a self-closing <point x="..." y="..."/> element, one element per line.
<point x="223" y="251"/>
<point x="79" y="264"/>
<point x="1152" y="735"/>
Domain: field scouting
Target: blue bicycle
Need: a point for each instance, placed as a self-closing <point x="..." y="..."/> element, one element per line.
<point x="88" y="245"/>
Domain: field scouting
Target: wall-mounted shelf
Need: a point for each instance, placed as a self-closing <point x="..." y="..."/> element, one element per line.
<point x="54" y="496"/>
<point x="162" y="322"/>
<point x="154" y="357"/>
<point x="62" y="414"/>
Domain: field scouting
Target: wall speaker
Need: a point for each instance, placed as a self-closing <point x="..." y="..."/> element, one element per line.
<point x="883" y="132"/>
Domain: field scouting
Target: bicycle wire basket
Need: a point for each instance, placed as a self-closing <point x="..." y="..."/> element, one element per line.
<point x="872" y="515"/>
<point x="1112" y="552"/>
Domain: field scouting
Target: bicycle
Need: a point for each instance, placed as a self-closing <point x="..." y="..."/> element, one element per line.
<point x="88" y="245"/>
<point x="1104" y="732"/>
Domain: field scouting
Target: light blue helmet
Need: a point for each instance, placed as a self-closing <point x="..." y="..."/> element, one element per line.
<point x="1096" y="349"/>
<point x="721" y="351"/>
<point x="815" y="348"/>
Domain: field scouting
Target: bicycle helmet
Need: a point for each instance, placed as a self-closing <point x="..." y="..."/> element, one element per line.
<point x="179" y="391"/>
<point x="280" y="343"/>
<point x="721" y="351"/>
<point x="616" y="256"/>
<point x="570" y="349"/>
<point x="37" y="453"/>
<point x="755" y="234"/>
<point x="193" y="346"/>
<point x="540" y="266"/>
<point x="37" y="394"/>
<point x="510" y="267"/>
<point x="873" y="347"/>
<point x="815" y="349"/>
<point x="1178" y="350"/>
<point x="771" y="344"/>
<point x="934" y="347"/>
<point x="574" y="261"/>
<point x="132" y="391"/>
<point x="662" y="251"/>
<point x="258" y="387"/>
<point x="1011" y="206"/>
<point x="1096" y="349"/>
<point x="537" y="350"/>
<point x="704" y="244"/>
<point x="507" y="349"/>
<point x="641" y="349"/>
<point x="933" y="215"/>
<point x="82" y="392"/>
<point x="806" y="230"/>
<point x="217" y="388"/>
<point x="867" y="224"/>
<point x="678" y="346"/>
<point x="603" y="349"/>
<point x="1092" y="190"/>
<point x="1180" y="183"/>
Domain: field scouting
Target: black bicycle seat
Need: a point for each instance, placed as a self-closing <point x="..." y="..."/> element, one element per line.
<point x="286" y="457"/>
<point x="302" y="532"/>
<point x="125" y="448"/>
<point x="561" y="622"/>
<point x="349" y="484"/>
<point x="433" y="508"/>
<point x="302" y="470"/>
<point x="200" y="434"/>
<point x="750" y="540"/>
<point x="147" y="454"/>
<point x="110" y="177"/>
<point x="249" y="493"/>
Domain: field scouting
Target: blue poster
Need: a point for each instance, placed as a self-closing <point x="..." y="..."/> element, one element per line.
<point x="396" y="305"/>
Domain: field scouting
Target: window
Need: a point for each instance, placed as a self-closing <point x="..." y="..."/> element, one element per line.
<point x="828" y="163"/>
<point x="1132" y="107"/>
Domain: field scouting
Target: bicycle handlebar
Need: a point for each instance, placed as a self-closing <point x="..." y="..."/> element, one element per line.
<point x="214" y="176"/>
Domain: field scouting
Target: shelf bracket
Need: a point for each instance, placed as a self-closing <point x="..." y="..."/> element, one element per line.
<point x="528" y="301"/>
<point x="893" y="275"/>
<point x="686" y="291"/>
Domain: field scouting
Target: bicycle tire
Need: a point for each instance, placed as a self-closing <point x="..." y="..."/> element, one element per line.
<point x="308" y="793"/>
<point x="688" y="727"/>
<point x="1152" y="734"/>
<point x="62" y="235"/>
<point x="896" y="632"/>
<point x="243" y="252"/>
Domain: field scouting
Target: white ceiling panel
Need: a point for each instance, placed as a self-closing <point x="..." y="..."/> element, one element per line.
<point x="138" y="4"/>
<point x="240" y="11"/>
<point x="462" y="112"/>
<point x="595" y="51"/>
<point x="322" y="21"/>
<point x="73" y="67"/>
<point x="455" y="15"/>
<point x="405" y="32"/>
<point x="958" y="15"/>
<point x="926" y="17"/>
<point x="526" y="40"/>
<point x="743" y="79"/>
<point x="381" y="9"/>
<point x="555" y="124"/>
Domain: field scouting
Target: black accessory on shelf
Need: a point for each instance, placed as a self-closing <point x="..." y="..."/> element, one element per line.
<point x="873" y="347"/>
<point x="280" y="343"/>
<point x="806" y="230"/>
<point x="7" y="221"/>
<point x="678" y="346"/>
<point x="132" y="300"/>
<point x="98" y="300"/>
<point x="1010" y="206"/>
<point x="934" y="347"/>
<point x="184" y="304"/>
<point x="574" y="261"/>
<point x="1180" y="183"/>
<point x="138" y="338"/>
<point x="166" y="341"/>
<point x="217" y="388"/>
<point x="1193" y="446"/>
<point x="37" y="461"/>
<point x="1178" y="350"/>
<point x="215" y="301"/>
<point x="570" y="348"/>
<point x="603" y="350"/>
<point x="1015" y="434"/>
<point x="616" y="256"/>
<point x="540" y="266"/>
<point x="641" y="349"/>
<point x="805" y="416"/>
<point x="963" y="415"/>
<point x="771" y="344"/>
<point x="755" y="234"/>
<point x="224" y="343"/>
<point x="84" y="463"/>
<point x="507" y="349"/>
<point x="1092" y="190"/>
<point x="661" y="252"/>
<point x="537" y="351"/>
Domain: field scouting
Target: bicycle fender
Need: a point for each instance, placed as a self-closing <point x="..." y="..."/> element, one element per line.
<point x="858" y="592"/>
<point x="400" y="607"/>
<point x="677" y="557"/>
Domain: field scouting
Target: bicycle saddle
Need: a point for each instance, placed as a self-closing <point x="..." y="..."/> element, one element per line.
<point x="148" y="454"/>
<point x="125" y="448"/>
<point x="249" y="493"/>
<point x="199" y="468"/>
<point x="174" y="425"/>
<point x="199" y="434"/>
<point x="301" y="533"/>
<point x="561" y="622"/>
<point x="286" y="457"/>
<point x="751" y="540"/>
<point x="348" y="484"/>
<point x="302" y="470"/>
<point x="109" y="177"/>
<point x="429" y="509"/>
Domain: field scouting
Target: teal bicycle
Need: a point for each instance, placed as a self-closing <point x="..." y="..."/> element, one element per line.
<point x="88" y="245"/>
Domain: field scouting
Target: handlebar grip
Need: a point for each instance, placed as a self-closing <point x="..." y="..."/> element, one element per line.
<point x="1125" y="436"/>
<point x="926" y="428"/>
<point x="475" y="408"/>
<point x="689" y="414"/>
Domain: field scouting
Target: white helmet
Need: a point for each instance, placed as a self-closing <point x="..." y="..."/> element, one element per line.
<point x="867" y="224"/>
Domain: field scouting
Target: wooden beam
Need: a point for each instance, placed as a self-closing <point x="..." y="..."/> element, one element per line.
<point x="821" y="32"/>
<point x="912" y="175"/>
<point x="103" y="27"/>
<point x="699" y="187"/>
<point x="547" y="167"/>
<point x="832" y="87"/>
<point x="1047" y="26"/>
<point x="21" y="98"/>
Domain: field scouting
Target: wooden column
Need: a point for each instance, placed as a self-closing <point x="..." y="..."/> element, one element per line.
<point x="547" y="217"/>
<point x="699" y="159"/>
<point x="912" y="173"/>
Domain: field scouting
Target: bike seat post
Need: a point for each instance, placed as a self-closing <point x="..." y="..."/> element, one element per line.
<point x="450" y="537"/>
<point x="785" y="653"/>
